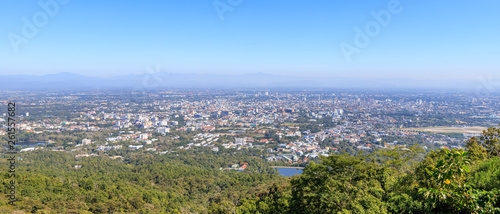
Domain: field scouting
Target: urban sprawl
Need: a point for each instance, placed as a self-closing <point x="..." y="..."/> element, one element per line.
<point x="280" y="126"/>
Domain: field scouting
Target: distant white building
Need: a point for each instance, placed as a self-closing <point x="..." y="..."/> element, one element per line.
<point x="163" y="123"/>
<point x="135" y="147"/>
<point x="86" y="141"/>
<point x="85" y="155"/>
<point x="28" y="149"/>
<point x="240" y="141"/>
<point x="106" y="148"/>
<point x="440" y="142"/>
<point x="163" y="130"/>
<point x="143" y="136"/>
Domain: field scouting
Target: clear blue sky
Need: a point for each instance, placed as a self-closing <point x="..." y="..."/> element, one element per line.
<point x="427" y="39"/>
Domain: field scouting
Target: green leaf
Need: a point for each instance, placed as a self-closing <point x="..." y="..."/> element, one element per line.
<point x="466" y="169"/>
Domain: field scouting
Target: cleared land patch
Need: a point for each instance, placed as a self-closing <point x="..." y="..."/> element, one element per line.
<point x="444" y="129"/>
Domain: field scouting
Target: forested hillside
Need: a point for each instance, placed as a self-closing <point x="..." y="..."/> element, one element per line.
<point x="48" y="182"/>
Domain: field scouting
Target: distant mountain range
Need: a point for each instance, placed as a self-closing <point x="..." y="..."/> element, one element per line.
<point x="67" y="80"/>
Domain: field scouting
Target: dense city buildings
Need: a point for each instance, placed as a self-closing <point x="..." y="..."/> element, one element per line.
<point x="282" y="126"/>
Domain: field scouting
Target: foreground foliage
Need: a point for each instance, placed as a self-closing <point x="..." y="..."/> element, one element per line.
<point x="391" y="181"/>
<point x="49" y="183"/>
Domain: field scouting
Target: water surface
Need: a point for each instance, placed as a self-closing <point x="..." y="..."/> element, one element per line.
<point x="287" y="172"/>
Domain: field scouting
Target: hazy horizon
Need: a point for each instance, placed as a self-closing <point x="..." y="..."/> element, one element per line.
<point x="154" y="80"/>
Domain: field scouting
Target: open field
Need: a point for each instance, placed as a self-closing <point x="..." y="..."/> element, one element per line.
<point x="443" y="129"/>
<point x="291" y="124"/>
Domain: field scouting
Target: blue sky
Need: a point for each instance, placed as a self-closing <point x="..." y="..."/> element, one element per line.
<point x="424" y="40"/>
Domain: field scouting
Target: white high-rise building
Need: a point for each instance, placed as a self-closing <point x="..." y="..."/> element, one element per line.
<point x="164" y="123"/>
<point x="163" y="130"/>
<point x="86" y="141"/>
<point x="143" y="136"/>
<point x="240" y="141"/>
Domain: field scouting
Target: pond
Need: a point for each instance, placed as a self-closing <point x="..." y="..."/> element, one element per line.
<point x="30" y="144"/>
<point x="287" y="172"/>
